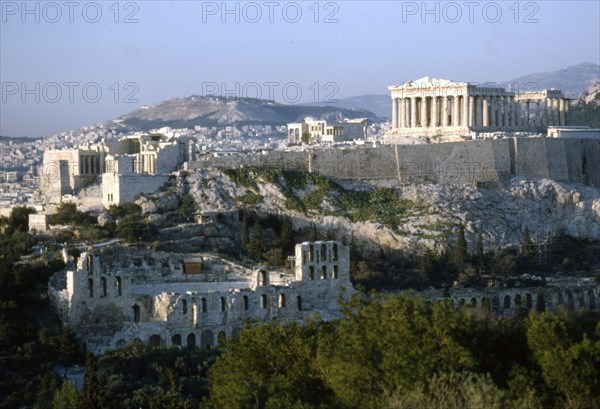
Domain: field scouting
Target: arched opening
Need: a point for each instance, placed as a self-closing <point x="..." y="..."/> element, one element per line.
<point x="90" y="264"/>
<point x="311" y="253"/>
<point x="561" y="298"/>
<point x="507" y="302"/>
<point x="528" y="301"/>
<point x="263" y="301"/>
<point x="120" y="343"/>
<point x="485" y="303"/>
<point x="91" y="287"/>
<point x="191" y="341"/>
<point x="223" y="304"/>
<point x="281" y="300"/>
<point x="311" y="273"/>
<point x="496" y="303"/>
<point x="335" y="252"/>
<point x="221" y="339"/>
<point x="207" y="339"/>
<point x="299" y="303"/>
<point x="324" y="273"/>
<point x="323" y="252"/>
<point x="155" y="340"/>
<point x="184" y="307"/>
<point x="263" y="278"/>
<point x="518" y="299"/>
<point x="592" y="299"/>
<point x="461" y="302"/>
<point x="136" y="313"/>
<point x="119" y="284"/>
<point x="335" y="272"/>
<point x="473" y="302"/>
<point x="103" y="286"/>
<point x="176" y="340"/>
<point x="203" y="302"/>
<point x="246" y="303"/>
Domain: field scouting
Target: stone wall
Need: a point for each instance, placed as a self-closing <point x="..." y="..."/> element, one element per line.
<point x="565" y="160"/>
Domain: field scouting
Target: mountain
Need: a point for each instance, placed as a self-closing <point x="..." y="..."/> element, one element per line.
<point x="220" y="111"/>
<point x="380" y="105"/>
<point x="571" y="80"/>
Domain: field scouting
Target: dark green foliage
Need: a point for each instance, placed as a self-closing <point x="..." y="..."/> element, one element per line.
<point x="256" y="247"/>
<point x="124" y="210"/>
<point x="245" y="232"/>
<point x="187" y="208"/>
<point x="67" y="213"/>
<point x="136" y="230"/>
<point x="585" y="114"/>
<point x="17" y="221"/>
<point x="459" y="254"/>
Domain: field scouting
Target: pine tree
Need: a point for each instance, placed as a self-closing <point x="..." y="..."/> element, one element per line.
<point x="257" y="247"/>
<point x="90" y="398"/>
<point x="527" y="248"/>
<point x="287" y="235"/>
<point x="245" y="232"/>
<point x="480" y="252"/>
<point x="460" y="248"/>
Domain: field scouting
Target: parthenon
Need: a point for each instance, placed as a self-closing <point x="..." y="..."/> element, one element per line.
<point x="434" y="107"/>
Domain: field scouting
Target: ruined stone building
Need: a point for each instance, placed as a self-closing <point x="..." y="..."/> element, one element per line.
<point x="111" y="296"/>
<point x="448" y="110"/>
<point x="126" y="167"/>
<point x="317" y="131"/>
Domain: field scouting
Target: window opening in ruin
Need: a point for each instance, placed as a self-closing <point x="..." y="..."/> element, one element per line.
<point x="203" y="304"/>
<point x="191" y="341"/>
<point x="246" y="304"/>
<point x="473" y="302"/>
<point x="91" y="287"/>
<point x="90" y="264"/>
<point x="506" y="302"/>
<point x="324" y="273"/>
<point x="155" y="340"/>
<point x="311" y="253"/>
<point x="311" y="273"/>
<point x="136" y="313"/>
<point x="119" y="286"/>
<point x="184" y="306"/>
<point x="299" y="303"/>
<point x="281" y="300"/>
<point x="176" y="339"/>
<point x="103" y="286"/>
<point x="323" y="252"/>
<point x="335" y="272"/>
<point x="263" y="301"/>
<point x="528" y="301"/>
<point x="223" y="304"/>
<point x="263" y="278"/>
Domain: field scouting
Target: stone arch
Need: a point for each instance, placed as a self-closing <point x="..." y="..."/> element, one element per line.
<point x="136" y="313"/>
<point x="184" y="307"/>
<point x="335" y="272"/>
<point x="207" y="339"/>
<point x="528" y="301"/>
<point x="119" y="285"/>
<point x="335" y="252"/>
<point x="473" y="302"/>
<point x="281" y="300"/>
<point x="176" y="340"/>
<point x="91" y="287"/>
<point x="560" y="298"/>
<point x="461" y="302"/>
<point x="263" y="301"/>
<point x="103" y="287"/>
<point x="221" y="339"/>
<point x="155" y="340"/>
<point x="311" y="273"/>
<point x="191" y="340"/>
<point x="570" y="300"/>
<point x="203" y="304"/>
<point x="299" y="303"/>
<point x="323" y="251"/>
<point x="263" y="278"/>
<point x="311" y="253"/>
<point x="246" y="302"/>
<point x="518" y="300"/>
<point x="507" y="302"/>
<point x="223" y="303"/>
<point x="120" y="343"/>
<point x="324" y="273"/>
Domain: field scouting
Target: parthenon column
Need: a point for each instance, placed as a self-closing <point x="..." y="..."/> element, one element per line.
<point x="511" y="111"/>
<point x="394" y="113"/>
<point x="492" y="113"/>
<point x="413" y="112"/>
<point x="567" y="106"/>
<point x="444" y="111"/>
<point x="407" y="112"/>
<point x="499" y="111"/>
<point x="465" y="111"/>
<point x="456" y="111"/>
<point x="400" y="112"/>
<point x="505" y="111"/>
<point x="548" y="112"/>
<point x="555" y="112"/>
<point x="527" y="119"/>
<point x="423" y="112"/>
<point x="478" y="110"/>
<point x="486" y="111"/>
<point x="471" y="111"/>
<point x="517" y="113"/>
<point x="561" y="107"/>
<point x="434" y="112"/>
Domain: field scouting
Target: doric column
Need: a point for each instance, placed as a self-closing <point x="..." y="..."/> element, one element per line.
<point x="465" y="111"/>
<point x="548" y="111"/>
<point x="527" y="113"/>
<point x="471" y="122"/>
<point x="444" y="115"/>
<point x="517" y="113"/>
<point x="394" y="113"/>
<point x="505" y="112"/>
<point x="492" y="111"/>
<point x="537" y="117"/>
<point x="423" y="112"/>
<point x="478" y="111"/>
<point x="456" y="111"/>
<point x="400" y="113"/>
<point x="486" y="112"/>
<point x="511" y="111"/>
<point x="407" y="112"/>
<point x="563" y="112"/>
<point x="434" y="112"/>
<point x="555" y="111"/>
<point x="413" y="112"/>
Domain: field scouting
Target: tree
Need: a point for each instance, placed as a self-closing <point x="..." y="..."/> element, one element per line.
<point x="460" y="248"/>
<point x="91" y="398"/>
<point x="287" y="235"/>
<point x="256" y="247"/>
<point x="480" y="252"/>
<point x="66" y="397"/>
<point x="427" y="267"/>
<point x="19" y="218"/>
<point x="527" y="247"/>
<point x="187" y="208"/>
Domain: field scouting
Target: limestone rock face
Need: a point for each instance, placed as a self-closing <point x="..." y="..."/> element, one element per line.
<point x="104" y="218"/>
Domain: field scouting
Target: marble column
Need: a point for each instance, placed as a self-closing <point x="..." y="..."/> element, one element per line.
<point x="486" y="111"/>
<point x="423" y="112"/>
<point x="394" y="113"/>
<point x="548" y="113"/>
<point x="456" y="111"/>
<point x="499" y="112"/>
<point x="413" y="112"/>
<point x="465" y="111"/>
<point x="517" y="113"/>
<point x="434" y="112"/>
<point x="471" y="122"/>
<point x="407" y="112"/>
<point x="478" y="111"/>
<point x="511" y="111"/>
<point x="555" y="111"/>
<point x="527" y="113"/>
<point x="537" y="117"/>
<point x="505" y="112"/>
<point x="566" y="109"/>
<point x="444" y="111"/>
<point x="400" y="113"/>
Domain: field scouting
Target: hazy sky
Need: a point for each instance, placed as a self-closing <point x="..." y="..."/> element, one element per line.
<point x="85" y="62"/>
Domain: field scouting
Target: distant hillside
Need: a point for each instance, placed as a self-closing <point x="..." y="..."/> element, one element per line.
<point x="571" y="80"/>
<point x="219" y="111"/>
<point x="380" y="105"/>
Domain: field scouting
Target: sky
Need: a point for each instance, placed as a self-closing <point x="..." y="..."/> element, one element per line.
<point x="67" y="64"/>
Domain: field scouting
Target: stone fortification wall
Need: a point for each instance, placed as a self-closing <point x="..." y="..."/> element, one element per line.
<point x="565" y="160"/>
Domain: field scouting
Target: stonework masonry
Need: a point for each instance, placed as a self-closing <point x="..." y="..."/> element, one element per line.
<point x="111" y="298"/>
<point x="569" y="160"/>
